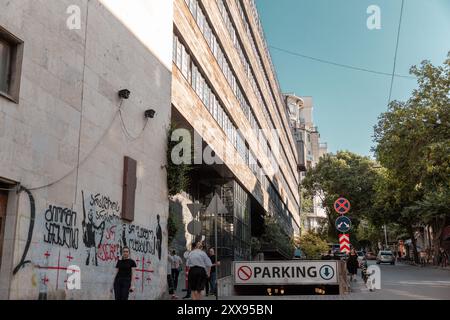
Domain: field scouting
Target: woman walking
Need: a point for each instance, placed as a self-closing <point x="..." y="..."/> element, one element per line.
<point x="124" y="280"/>
<point x="199" y="270"/>
<point x="352" y="264"/>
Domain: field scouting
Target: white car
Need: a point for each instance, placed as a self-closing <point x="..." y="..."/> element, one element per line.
<point x="386" y="257"/>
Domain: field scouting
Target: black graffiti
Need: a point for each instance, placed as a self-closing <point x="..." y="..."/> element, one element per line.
<point x="102" y="215"/>
<point x="142" y="246"/>
<point x="61" y="235"/>
<point x="141" y="239"/>
<point x="60" y="224"/>
<point x="61" y="215"/>
<point x="104" y="202"/>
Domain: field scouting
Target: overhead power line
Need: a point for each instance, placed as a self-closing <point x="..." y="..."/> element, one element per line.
<point x="396" y="51"/>
<point x="340" y="64"/>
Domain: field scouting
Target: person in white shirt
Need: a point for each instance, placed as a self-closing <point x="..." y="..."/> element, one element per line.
<point x="176" y="268"/>
<point x="199" y="270"/>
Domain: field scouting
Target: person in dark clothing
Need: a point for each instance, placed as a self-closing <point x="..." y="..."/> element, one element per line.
<point x="352" y="264"/>
<point x="211" y="284"/>
<point x="124" y="280"/>
<point x="158" y="238"/>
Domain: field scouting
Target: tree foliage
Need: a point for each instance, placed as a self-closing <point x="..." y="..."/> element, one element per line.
<point x="413" y="144"/>
<point x="312" y="245"/>
<point x="343" y="174"/>
<point x="177" y="174"/>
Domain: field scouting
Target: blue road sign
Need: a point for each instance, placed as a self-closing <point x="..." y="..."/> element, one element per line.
<point x="343" y="224"/>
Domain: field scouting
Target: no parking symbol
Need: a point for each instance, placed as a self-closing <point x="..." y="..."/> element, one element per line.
<point x="244" y="273"/>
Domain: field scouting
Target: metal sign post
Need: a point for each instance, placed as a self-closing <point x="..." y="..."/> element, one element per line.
<point x="217" y="207"/>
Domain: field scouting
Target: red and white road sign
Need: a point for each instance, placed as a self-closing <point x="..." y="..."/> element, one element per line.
<point x="244" y="273"/>
<point x="344" y="242"/>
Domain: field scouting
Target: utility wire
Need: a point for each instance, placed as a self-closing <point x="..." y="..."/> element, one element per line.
<point x="396" y="51"/>
<point x="340" y="64"/>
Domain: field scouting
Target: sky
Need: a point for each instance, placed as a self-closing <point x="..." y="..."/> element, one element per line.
<point x="347" y="102"/>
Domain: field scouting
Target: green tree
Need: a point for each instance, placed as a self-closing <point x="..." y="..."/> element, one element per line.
<point x="413" y="144"/>
<point x="177" y="174"/>
<point x="312" y="245"/>
<point x="275" y="237"/>
<point x="343" y="174"/>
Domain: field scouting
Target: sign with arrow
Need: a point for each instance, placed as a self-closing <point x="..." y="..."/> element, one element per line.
<point x="342" y="205"/>
<point x="344" y="242"/>
<point x="216" y="206"/>
<point x="194" y="208"/>
<point x="300" y="272"/>
<point x="343" y="224"/>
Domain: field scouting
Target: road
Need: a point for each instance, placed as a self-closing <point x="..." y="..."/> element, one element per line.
<point x="398" y="282"/>
<point x="406" y="282"/>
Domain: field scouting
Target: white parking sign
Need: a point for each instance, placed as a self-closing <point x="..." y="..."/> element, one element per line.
<point x="285" y="272"/>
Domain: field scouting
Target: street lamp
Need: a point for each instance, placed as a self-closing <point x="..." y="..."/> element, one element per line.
<point x="385" y="236"/>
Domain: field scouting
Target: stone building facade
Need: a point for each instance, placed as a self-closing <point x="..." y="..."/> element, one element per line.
<point x="70" y="200"/>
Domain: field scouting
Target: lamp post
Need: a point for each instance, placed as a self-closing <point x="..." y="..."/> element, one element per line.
<point x="385" y="236"/>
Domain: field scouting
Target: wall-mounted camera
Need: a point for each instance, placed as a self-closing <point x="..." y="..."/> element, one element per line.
<point x="124" y="93"/>
<point x="150" y="113"/>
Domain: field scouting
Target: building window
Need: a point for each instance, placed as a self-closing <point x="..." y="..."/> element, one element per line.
<point x="11" y="54"/>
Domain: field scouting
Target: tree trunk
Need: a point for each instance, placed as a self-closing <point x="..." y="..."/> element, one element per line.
<point x="414" y="243"/>
<point x="438" y="227"/>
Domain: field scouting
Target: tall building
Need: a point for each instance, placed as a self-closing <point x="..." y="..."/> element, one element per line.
<point x="81" y="169"/>
<point x="225" y="93"/>
<point x="310" y="150"/>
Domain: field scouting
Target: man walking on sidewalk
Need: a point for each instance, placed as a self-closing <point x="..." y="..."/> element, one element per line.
<point x="176" y="268"/>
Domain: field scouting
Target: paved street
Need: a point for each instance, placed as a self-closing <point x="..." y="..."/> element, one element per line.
<point x="398" y="282"/>
<point x="403" y="281"/>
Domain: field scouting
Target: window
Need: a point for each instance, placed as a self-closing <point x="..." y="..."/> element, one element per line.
<point x="11" y="54"/>
<point x="179" y="58"/>
<point x="185" y="66"/>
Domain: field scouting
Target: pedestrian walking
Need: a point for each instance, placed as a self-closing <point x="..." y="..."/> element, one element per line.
<point x="170" y="282"/>
<point x="124" y="280"/>
<point x="199" y="270"/>
<point x="176" y="268"/>
<point x="352" y="264"/>
<point x="213" y="275"/>
<point x="423" y="258"/>
<point x="443" y="258"/>
<point x="188" y="289"/>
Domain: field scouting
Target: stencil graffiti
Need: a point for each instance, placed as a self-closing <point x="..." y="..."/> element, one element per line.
<point x="92" y="234"/>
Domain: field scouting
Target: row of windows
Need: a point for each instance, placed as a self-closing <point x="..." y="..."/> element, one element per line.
<point x="218" y="52"/>
<point x="244" y="60"/>
<point x="195" y="78"/>
<point x="233" y="33"/>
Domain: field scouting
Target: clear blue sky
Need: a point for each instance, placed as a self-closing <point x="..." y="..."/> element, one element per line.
<point x="347" y="102"/>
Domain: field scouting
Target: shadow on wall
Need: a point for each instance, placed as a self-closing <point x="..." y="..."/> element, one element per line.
<point x="177" y="240"/>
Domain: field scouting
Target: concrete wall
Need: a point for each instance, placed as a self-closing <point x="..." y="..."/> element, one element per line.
<point x="68" y="107"/>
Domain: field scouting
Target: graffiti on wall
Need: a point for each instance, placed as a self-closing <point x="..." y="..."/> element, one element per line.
<point x="60" y="226"/>
<point x="92" y="236"/>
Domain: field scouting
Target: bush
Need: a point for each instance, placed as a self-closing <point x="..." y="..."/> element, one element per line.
<point x="312" y="245"/>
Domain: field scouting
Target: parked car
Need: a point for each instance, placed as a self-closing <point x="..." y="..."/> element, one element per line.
<point x="371" y="256"/>
<point x="386" y="257"/>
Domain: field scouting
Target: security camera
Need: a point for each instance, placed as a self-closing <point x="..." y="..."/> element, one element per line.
<point x="150" y="113"/>
<point x="124" y="94"/>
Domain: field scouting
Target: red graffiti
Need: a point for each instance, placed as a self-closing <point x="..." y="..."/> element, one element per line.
<point x="108" y="252"/>
<point x="111" y="233"/>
